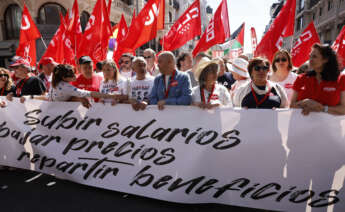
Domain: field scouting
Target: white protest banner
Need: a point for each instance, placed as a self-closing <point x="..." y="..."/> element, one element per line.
<point x="276" y="160"/>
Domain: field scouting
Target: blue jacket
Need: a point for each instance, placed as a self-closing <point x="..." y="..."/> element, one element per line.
<point x="180" y="93"/>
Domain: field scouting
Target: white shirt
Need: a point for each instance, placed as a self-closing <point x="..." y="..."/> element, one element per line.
<point x="220" y="95"/>
<point x="287" y="84"/>
<point x="64" y="91"/>
<point x="113" y="87"/>
<point x="140" y="89"/>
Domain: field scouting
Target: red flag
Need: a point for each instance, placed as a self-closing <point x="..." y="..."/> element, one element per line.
<point x="218" y="30"/>
<point x="122" y="30"/>
<point x="254" y="39"/>
<point x="184" y="29"/>
<point x="145" y="25"/>
<point x="96" y="34"/>
<point x="273" y="39"/>
<point x="60" y="48"/>
<point x="73" y="27"/>
<point x="302" y="48"/>
<point x="339" y="47"/>
<point x="161" y="15"/>
<point x="28" y="35"/>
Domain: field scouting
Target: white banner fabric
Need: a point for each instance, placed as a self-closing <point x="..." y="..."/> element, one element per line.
<point x="276" y="160"/>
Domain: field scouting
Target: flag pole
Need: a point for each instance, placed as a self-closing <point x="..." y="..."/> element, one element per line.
<point x="44" y="43"/>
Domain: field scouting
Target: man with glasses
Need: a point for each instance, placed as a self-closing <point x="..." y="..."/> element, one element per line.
<point x="150" y="57"/>
<point x="125" y="64"/>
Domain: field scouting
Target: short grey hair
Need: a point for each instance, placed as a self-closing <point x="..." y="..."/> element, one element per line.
<point x="139" y="59"/>
<point x="150" y="50"/>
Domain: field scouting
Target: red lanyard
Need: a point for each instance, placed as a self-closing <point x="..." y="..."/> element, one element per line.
<point x="209" y="97"/>
<point x="257" y="102"/>
<point x="3" y="90"/>
<point x="19" y="89"/>
<point x="169" y="86"/>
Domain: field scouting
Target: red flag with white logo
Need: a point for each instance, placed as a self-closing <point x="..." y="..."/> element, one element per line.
<point x="339" y="47"/>
<point x="97" y="33"/>
<point x="184" y="29"/>
<point x="60" y="48"/>
<point x="27" y="40"/>
<point x="280" y="28"/>
<point x="145" y="25"/>
<point x="302" y="47"/>
<point x="217" y="31"/>
<point x="254" y="39"/>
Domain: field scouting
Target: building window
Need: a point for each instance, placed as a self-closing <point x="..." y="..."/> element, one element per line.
<point x="330" y="5"/>
<point x="84" y="18"/>
<point x="313" y="16"/>
<point x="320" y="11"/>
<point x="128" y="2"/>
<point x="170" y="18"/>
<point x="299" y="25"/>
<point x="13" y="16"/>
<point x="50" y="14"/>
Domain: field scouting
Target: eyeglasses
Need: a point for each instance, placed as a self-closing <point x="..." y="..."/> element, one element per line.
<point x="148" y="57"/>
<point x="281" y="59"/>
<point x="258" y="68"/>
<point x="125" y="62"/>
<point x="4" y="75"/>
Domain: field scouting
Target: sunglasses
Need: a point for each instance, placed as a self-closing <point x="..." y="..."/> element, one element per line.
<point x="281" y="59"/>
<point x="258" y="68"/>
<point x="148" y="57"/>
<point x="4" y="75"/>
<point x="125" y="62"/>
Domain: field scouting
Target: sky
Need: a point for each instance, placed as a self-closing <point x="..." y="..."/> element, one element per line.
<point x="255" y="13"/>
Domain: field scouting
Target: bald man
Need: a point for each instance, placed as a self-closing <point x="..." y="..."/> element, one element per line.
<point x="171" y="87"/>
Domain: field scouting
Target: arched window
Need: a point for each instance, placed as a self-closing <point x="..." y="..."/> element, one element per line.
<point x="13" y="16"/>
<point x="50" y="14"/>
<point x="170" y="18"/>
<point x="84" y="18"/>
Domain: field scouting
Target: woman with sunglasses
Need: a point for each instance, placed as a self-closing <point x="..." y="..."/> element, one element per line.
<point x="323" y="88"/>
<point x="62" y="90"/>
<point x="282" y="73"/>
<point x="6" y="85"/>
<point x="259" y="92"/>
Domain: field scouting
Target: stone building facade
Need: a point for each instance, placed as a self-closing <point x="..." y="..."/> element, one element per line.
<point x="46" y="15"/>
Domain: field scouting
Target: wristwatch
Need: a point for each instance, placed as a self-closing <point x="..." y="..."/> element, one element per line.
<point x="325" y="109"/>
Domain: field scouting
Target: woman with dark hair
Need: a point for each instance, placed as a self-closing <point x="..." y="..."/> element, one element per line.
<point x="62" y="90"/>
<point x="209" y="93"/>
<point x="282" y="73"/>
<point x="323" y="88"/>
<point x="259" y="92"/>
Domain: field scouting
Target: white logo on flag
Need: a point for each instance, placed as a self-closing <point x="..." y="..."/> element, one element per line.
<point x="91" y="22"/>
<point x="152" y="14"/>
<point x="210" y="31"/>
<point x="26" y="24"/>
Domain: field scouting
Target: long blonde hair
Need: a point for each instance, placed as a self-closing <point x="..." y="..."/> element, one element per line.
<point x="112" y="64"/>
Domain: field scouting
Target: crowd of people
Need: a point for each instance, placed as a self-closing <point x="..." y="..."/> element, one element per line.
<point x="204" y="82"/>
